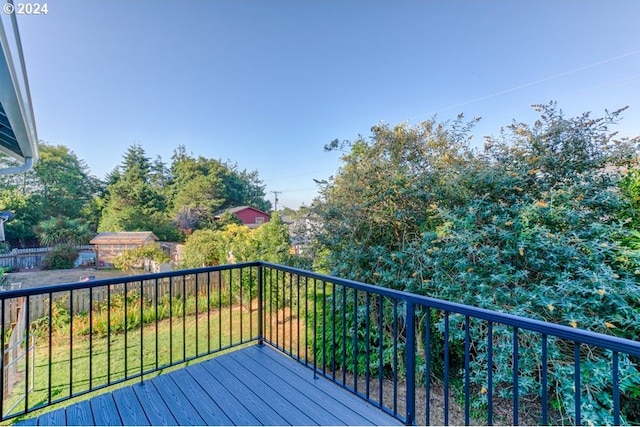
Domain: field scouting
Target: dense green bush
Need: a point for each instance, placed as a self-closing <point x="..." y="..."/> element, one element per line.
<point x="60" y="257"/>
<point x="533" y="225"/>
<point x="132" y="258"/>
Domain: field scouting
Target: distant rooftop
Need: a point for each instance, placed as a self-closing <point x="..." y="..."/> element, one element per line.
<point x="123" y="238"/>
<point x="18" y="136"/>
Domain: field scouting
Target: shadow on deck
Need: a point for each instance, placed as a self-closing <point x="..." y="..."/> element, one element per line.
<point x="252" y="386"/>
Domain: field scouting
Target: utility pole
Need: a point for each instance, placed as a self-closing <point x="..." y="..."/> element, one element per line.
<point x="276" y="199"/>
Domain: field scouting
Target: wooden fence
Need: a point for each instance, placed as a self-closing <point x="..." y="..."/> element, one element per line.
<point x="80" y="300"/>
<point x="22" y="259"/>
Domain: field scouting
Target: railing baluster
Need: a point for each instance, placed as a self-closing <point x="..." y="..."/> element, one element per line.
<point x="241" y="279"/>
<point x="467" y="386"/>
<point x="184" y="317"/>
<point x="197" y="295"/>
<point x="27" y="349"/>
<point x="427" y="370"/>
<point x="344" y="335"/>
<point x="324" y="329"/>
<point x="355" y="341"/>
<point x="290" y="314"/>
<point x="315" y="329"/>
<point x="410" y="363"/>
<point x="260" y="307"/>
<point x="616" y="389"/>
<point x="576" y="376"/>
<point x="171" y="321"/>
<point x="367" y="374"/>
<point x="219" y="309"/>
<point x="156" y="317"/>
<point x="2" y="347"/>
<point x="333" y="334"/>
<point x="446" y="368"/>
<point x="109" y="334"/>
<point x="71" y="343"/>
<point x="395" y="356"/>
<point x="230" y="307"/>
<point x="515" y="376"/>
<point x="306" y="320"/>
<point x="270" y="316"/>
<point x="250" y="299"/>
<point x="545" y="387"/>
<point x="141" y="332"/>
<point x="126" y="330"/>
<point x="298" y="315"/>
<point x="50" y="343"/>
<point x="380" y="345"/>
<point x="277" y="309"/>
<point x="90" y="338"/>
<point x="490" y="373"/>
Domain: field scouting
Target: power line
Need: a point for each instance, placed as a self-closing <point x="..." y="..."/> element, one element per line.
<point x="276" y="199"/>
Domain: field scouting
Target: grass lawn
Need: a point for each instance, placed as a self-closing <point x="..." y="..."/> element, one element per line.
<point x="77" y="365"/>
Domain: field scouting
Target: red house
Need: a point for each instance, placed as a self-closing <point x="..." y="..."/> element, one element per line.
<point x="251" y="217"/>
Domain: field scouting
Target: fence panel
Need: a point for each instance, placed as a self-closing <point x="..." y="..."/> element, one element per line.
<point x="29" y="258"/>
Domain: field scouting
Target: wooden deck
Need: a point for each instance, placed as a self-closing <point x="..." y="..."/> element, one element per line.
<point x="251" y="386"/>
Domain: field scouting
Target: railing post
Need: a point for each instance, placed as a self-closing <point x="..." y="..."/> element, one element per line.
<point x="260" y="305"/>
<point x="411" y="364"/>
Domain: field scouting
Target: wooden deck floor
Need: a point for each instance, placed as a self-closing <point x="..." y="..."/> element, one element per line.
<point x="251" y="386"/>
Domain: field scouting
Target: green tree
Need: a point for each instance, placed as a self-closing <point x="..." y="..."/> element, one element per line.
<point x="64" y="186"/>
<point x="132" y="202"/>
<point x="202" y="187"/>
<point x="59" y="230"/>
<point x="530" y="225"/>
<point x="59" y="185"/>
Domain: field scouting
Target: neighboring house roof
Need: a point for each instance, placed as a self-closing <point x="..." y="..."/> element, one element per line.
<point x="123" y="238"/>
<point x="240" y="209"/>
<point x="18" y="136"/>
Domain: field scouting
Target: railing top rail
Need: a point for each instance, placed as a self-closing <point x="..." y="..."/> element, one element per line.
<point x="39" y="290"/>
<point x="578" y="335"/>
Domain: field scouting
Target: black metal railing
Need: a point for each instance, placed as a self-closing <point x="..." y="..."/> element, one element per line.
<point x="429" y="361"/>
<point x="92" y="335"/>
<point x="422" y="360"/>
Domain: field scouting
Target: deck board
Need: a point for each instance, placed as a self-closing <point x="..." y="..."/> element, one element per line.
<point x="182" y="410"/>
<point x="104" y="410"/>
<point x="208" y="409"/>
<point x="154" y="407"/>
<point x="311" y="402"/>
<point x="80" y="414"/>
<point x="268" y="394"/>
<point x="250" y="386"/>
<point x="343" y="403"/>
<point x="129" y="407"/>
<point x="263" y="412"/>
<point x="233" y="407"/>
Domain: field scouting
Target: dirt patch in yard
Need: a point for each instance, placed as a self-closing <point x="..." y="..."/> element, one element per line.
<point x="30" y="279"/>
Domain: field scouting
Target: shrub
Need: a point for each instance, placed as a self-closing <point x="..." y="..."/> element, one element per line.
<point x="132" y="258"/>
<point x="531" y="225"/>
<point x="61" y="257"/>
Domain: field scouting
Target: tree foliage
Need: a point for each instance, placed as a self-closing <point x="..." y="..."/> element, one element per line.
<point x="173" y="201"/>
<point x="134" y="258"/>
<point x="238" y="243"/>
<point x="59" y="230"/>
<point x="59" y="185"/>
<point x="530" y="225"/>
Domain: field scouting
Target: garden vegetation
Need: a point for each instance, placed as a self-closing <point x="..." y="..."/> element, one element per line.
<point x="541" y="222"/>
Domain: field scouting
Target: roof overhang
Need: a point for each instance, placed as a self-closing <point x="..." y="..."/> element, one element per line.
<point x="18" y="136"/>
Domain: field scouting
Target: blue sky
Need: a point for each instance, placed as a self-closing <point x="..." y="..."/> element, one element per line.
<point x="267" y="83"/>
